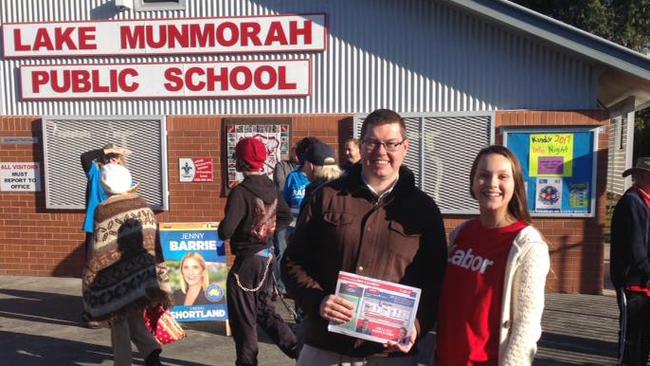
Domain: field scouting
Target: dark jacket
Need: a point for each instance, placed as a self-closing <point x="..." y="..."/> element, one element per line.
<point x="344" y="228"/>
<point x="238" y="221"/>
<point x="630" y="245"/>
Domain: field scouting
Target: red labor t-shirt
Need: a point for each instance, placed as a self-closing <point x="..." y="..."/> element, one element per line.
<point x="470" y="309"/>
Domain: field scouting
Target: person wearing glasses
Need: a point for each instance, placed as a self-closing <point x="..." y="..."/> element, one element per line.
<point x="373" y="222"/>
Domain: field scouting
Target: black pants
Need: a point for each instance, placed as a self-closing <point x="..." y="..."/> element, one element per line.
<point x="637" y="337"/>
<point x="247" y="309"/>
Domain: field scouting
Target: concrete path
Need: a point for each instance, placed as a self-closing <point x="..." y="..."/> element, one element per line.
<point x="39" y="326"/>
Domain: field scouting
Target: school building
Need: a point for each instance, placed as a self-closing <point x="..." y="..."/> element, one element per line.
<point x="179" y="82"/>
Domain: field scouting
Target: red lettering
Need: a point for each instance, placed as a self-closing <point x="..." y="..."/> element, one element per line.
<point x="221" y="78"/>
<point x="39" y="78"/>
<point x="162" y="37"/>
<point x="87" y="35"/>
<point x="18" y="45"/>
<point x="272" y="77"/>
<point x="189" y="78"/>
<point x="250" y="31"/>
<point x="202" y="36"/>
<point x="65" y="83"/>
<point x="305" y="32"/>
<point x="275" y="34"/>
<point x="178" y="36"/>
<point x="282" y="76"/>
<point x="62" y="36"/>
<point x="97" y="82"/>
<point x="175" y="81"/>
<point x="42" y="40"/>
<point x="81" y="81"/>
<point x="132" y="37"/>
<point x="234" y="34"/>
<point x="123" y="82"/>
<point x="245" y="72"/>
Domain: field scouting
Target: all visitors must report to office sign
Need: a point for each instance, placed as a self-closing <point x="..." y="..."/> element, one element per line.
<point x="20" y="177"/>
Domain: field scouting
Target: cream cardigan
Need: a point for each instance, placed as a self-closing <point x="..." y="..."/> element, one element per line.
<point x="523" y="297"/>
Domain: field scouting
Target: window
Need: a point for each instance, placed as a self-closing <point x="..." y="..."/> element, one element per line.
<point x="442" y="147"/>
<point x="65" y="139"/>
<point x="151" y="5"/>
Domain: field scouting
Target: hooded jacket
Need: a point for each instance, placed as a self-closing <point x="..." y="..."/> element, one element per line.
<point x="238" y="221"/>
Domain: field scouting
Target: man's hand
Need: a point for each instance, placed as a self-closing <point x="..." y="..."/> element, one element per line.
<point x="403" y="345"/>
<point x="336" y="309"/>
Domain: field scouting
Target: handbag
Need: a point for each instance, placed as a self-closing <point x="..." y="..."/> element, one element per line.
<point x="161" y="323"/>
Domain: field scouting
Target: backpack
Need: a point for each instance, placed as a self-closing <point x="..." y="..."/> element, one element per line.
<point x="263" y="227"/>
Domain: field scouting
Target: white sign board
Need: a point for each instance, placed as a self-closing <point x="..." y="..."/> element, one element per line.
<point x="151" y="37"/>
<point x="20" y="177"/>
<point x="283" y="78"/>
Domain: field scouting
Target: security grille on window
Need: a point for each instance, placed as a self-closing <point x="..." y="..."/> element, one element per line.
<point x="65" y="139"/>
<point x="151" y="5"/>
<point x="442" y="147"/>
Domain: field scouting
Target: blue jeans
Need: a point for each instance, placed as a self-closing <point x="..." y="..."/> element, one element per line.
<point x="280" y="243"/>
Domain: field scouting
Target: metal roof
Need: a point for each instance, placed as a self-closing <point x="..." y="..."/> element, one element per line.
<point x="571" y="38"/>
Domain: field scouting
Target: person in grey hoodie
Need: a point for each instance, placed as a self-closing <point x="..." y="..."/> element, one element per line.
<point x="254" y="210"/>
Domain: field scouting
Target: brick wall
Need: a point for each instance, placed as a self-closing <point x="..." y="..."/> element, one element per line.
<point x="36" y="241"/>
<point x="40" y="242"/>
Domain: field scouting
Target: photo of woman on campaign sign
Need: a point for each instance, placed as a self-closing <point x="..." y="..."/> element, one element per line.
<point x="197" y="271"/>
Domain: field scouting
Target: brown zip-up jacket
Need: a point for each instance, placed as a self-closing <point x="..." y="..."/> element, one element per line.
<point x="343" y="227"/>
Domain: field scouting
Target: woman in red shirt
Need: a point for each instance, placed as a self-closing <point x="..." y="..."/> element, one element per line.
<point x="493" y="293"/>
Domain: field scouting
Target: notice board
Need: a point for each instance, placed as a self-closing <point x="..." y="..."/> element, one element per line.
<point x="559" y="168"/>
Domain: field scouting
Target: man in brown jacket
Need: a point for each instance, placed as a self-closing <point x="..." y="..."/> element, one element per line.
<point x="374" y="222"/>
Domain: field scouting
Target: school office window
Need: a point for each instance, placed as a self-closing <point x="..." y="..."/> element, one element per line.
<point x="152" y="5"/>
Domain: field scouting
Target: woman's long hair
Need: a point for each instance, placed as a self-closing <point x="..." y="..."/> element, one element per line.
<point x="518" y="205"/>
<point x="205" y="282"/>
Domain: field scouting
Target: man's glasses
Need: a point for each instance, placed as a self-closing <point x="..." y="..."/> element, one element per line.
<point x="372" y="144"/>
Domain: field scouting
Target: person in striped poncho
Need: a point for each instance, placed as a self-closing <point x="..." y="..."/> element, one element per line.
<point x="121" y="276"/>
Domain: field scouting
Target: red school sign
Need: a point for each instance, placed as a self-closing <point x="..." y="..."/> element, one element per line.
<point x="217" y="79"/>
<point x="224" y="35"/>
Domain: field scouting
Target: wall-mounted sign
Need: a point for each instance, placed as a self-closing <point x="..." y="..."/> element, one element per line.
<point x="275" y="133"/>
<point x="559" y="168"/>
<point x="20" y="177"/>
<point x="196" y="169"/>
<point x="19" y="140"/>
<point x="259" y="34"/>
<point x="172" y="80"/>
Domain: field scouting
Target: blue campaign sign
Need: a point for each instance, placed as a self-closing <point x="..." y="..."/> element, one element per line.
<point x="559" y="168"/>
<point x="196" y="258"/>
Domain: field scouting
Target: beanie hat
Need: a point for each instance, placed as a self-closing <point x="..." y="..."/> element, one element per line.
<point x="252" y="153"/>
<point x="115" y="179"/>
<point x="320" y="154"/>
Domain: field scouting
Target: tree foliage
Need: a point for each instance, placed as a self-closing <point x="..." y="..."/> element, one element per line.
<point x="626" y="22"/>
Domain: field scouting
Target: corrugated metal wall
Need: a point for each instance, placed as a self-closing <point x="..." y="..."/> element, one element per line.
<point x="411" y="56"/>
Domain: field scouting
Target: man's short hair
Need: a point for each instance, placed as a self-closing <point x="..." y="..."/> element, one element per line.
<point x="381" y="117"/>
<point x="303" y="145"/>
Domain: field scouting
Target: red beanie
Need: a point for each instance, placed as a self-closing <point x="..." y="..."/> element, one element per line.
<point x="252" y="153"/>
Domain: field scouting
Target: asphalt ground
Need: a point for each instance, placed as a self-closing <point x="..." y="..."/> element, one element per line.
<point x="40" y="325"/>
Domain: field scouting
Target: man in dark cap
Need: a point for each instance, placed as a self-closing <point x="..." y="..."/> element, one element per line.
<point x="253" y="211"/>
<point x="630" y="265"/>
